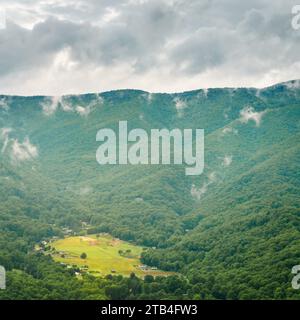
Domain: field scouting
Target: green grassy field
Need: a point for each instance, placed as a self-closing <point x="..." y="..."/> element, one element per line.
<point x="103" y="255"/>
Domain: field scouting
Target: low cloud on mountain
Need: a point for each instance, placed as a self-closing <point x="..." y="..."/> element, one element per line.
<point x="248" y="113"/>
<point x="23" y="150"/>
<point x="18" y="151"/>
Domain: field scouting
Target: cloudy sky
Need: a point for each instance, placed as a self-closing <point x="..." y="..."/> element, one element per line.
<point x="58" y="47"/>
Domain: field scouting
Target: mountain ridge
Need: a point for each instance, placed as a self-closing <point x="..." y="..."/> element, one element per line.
<point x="283" y="83"/>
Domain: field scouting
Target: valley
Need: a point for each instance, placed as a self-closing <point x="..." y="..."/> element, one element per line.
<point x="232" y="232"/>
<point x="103" y="255"/>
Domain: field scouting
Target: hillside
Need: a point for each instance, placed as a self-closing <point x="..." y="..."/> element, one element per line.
<point x="233" y="232"/>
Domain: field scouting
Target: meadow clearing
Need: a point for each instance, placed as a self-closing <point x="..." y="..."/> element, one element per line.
<point x="104" y="255"/>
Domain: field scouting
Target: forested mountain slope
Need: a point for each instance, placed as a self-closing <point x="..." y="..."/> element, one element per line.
<point x="232" y="232"/>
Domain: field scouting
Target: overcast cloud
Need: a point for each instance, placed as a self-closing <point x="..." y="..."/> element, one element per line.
<point x="58" y="47"/>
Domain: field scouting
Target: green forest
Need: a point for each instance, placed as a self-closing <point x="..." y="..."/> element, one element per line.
<point x="231" y="233"/>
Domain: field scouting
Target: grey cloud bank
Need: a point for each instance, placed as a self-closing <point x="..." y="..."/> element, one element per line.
<point x="61" y="47"/>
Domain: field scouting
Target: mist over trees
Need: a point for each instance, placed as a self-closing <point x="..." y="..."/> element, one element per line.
<point x="231" y="233"/>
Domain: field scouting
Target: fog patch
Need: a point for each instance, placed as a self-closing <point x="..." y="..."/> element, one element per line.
<point x="67" y="107"/>
<point x="292" y="85"/>
<point x="51" y="105"/>
<point x="5" y="137"/>
<point x="4" y="104"/>
<point x="198" y="192"/>
<point x="97" y="100"/>
<point x="149" y="97"/>
<point x="227" y="160"/>
<point x="180" y="105"/>
<point x="228" y="130"/>
<point x="19" y="151"/>
<point x="85" y="191"/>
<point x="258" y="93"/>
<point x="232" y="92"/>
<point x="203" y="93"/>
<point x="249" y="113"/>
<point x="85" y="111"/>
<point x="23" y="151"/>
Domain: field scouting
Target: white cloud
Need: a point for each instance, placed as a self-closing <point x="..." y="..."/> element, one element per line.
<point x="197" y="193"/>
<point x="4" y="104"/>
<point x="228" y="130"/>
<point x="258" y="93"/>
<point x="149" y="97"/>
<point x="18" y="151"/>
<point x="53" y="103"/>
<point x="23" y="151"/>
<point x="67" y="107"/>
<point x="180" y="105"/>
<point x="85" y="111"/>
<point x="205" y="91"/>
<point x="5" y="137"/>
<point x="85" y="190"/>
<point x="227" y="160"/>
<point x="248" y="113"/>
<point x="57" y="47"/>
<point x="293" y="85"/>
<point x="50" y="106"/>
